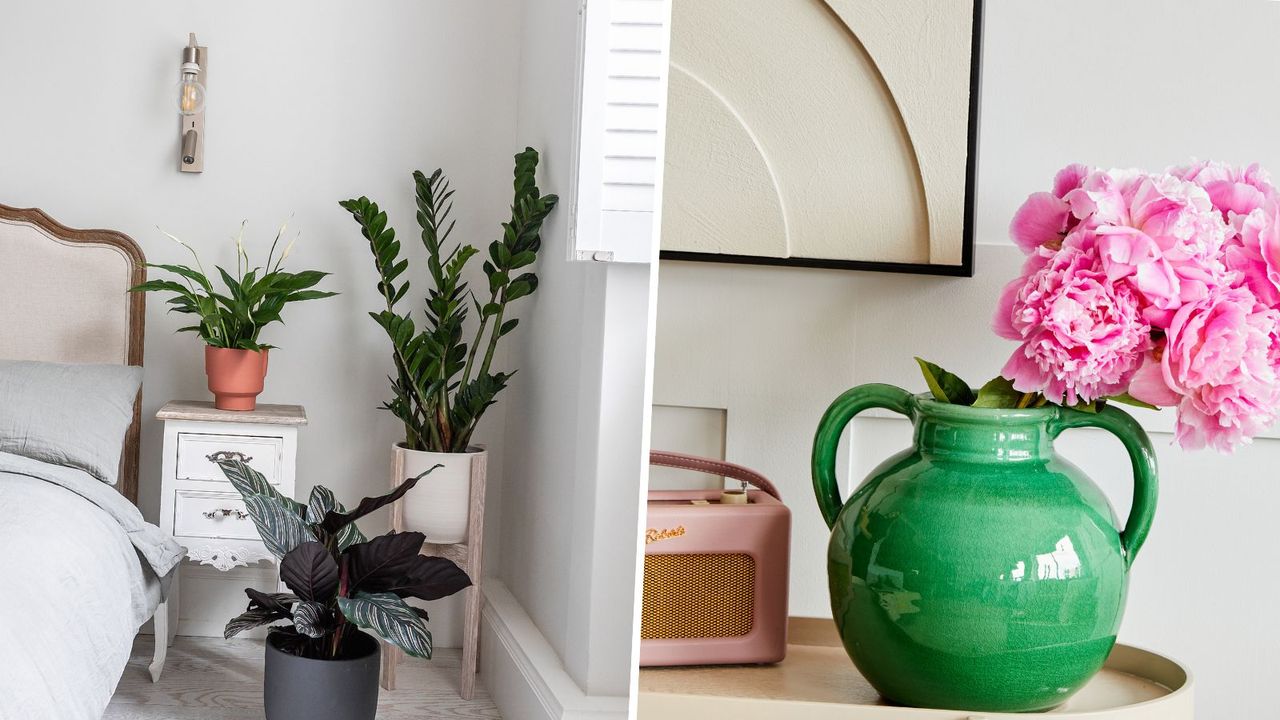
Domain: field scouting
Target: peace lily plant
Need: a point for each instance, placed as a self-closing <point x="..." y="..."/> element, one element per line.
<point x="442" y="382"/>
<point x="230" y="320"/>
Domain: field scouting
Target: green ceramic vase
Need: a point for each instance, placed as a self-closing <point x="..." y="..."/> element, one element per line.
<point x="978" y="570"/>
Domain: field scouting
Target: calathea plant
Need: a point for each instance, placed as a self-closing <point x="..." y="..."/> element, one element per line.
<point x="443" y="384"/>
<point x="338" y="576"/>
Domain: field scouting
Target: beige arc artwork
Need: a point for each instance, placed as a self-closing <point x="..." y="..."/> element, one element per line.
<point x="828" y="146"/>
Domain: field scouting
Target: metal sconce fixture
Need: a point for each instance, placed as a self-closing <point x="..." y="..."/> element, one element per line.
<point x="191" y="96"/>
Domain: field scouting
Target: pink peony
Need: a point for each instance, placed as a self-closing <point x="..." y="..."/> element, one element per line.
<point x="1254" y="252"/>
<point x="1082" y="336"/>
<point x="1158" y="233"/>
<point x="1250" y="204"/>
<point x="1165" y="286"/>
<point x="1233" y="190"/>
<point x="1219" y="364"/>
<point x="1045" y="218"/>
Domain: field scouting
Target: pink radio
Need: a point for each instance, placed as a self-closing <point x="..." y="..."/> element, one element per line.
<point x="715" y="570"/>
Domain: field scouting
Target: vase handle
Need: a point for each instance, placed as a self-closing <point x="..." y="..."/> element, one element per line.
<point x="1145" y="483"/>
<point x="827" y="440"/>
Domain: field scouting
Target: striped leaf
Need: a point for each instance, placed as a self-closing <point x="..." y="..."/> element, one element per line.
<point x="390" y="617"/>
<point x="264" y="608"/>
<point x="349" y="535"/>
<point x="312" y="619"/>
<point x="279" y="601"/>
<point x="281" y="529"/>
<point x="322" y="501"/>
<point x="251" y="482"/>
<point x="251" y="618"/>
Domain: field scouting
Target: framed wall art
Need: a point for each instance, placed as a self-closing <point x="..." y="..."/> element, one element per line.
<point x="823" y="133"/>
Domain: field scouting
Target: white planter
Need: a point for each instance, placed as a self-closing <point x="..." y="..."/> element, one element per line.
<point x="439" y="506"/>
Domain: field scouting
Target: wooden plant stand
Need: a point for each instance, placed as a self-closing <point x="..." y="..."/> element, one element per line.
<point x="468" y="556"/>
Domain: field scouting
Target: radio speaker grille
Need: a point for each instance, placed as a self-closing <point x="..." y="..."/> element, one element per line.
<point x="698" y="596"/>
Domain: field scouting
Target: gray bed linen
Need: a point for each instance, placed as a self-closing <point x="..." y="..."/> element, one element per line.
<point x="73" y="415"/>
<point x="84" y="572"/>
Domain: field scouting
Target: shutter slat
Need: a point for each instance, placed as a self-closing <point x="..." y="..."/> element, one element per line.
<point x="623" y="117"/>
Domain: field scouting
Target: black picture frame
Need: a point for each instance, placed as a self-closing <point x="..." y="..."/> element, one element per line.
<point x="966" y="266"/>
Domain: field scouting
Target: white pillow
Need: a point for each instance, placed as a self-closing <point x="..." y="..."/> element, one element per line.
<point x="70" y="415"/>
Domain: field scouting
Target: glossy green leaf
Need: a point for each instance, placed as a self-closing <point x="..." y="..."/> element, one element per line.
<point x="1127" y="399"/>
<point x="945" y="387"/>
<point x="997" y="393"/>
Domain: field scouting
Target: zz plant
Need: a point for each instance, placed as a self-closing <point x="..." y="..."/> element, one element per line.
<point x="337" y="576"/>
<point x="442" y="383"/>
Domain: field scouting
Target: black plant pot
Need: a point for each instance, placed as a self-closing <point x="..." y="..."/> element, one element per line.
<point x="297" y="688"/>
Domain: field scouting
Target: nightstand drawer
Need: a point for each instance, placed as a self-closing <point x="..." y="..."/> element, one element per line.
<point x="197" y="453"/>
<point x="197" y="513"/>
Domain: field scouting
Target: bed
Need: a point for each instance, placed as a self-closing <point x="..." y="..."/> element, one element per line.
<point x="84" y="571"/>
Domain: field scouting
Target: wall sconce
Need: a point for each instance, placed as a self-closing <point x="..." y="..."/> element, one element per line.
<point x="191" y="97"/>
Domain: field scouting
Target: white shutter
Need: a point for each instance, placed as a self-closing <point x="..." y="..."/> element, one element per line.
<point x="621" y="129"/>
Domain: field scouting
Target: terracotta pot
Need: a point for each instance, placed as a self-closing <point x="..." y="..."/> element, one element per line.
<point x="235" y="376"/>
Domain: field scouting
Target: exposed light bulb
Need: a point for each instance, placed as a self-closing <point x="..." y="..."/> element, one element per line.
<point x="190" y="91"/>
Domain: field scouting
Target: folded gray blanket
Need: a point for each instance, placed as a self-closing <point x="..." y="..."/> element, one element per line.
<point x="159" y="549"/>
<point x="84" y="572"/>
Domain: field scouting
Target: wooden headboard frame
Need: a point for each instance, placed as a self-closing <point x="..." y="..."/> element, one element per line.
<point x="127" y="483"/>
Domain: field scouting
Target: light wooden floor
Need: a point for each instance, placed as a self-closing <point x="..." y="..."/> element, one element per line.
<point x="214" y="679"/>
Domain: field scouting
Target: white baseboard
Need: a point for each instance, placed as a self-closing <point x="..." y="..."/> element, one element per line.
<point x="523" y="674"/>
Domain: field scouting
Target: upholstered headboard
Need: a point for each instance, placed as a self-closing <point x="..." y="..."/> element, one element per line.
<point x="64" y="298"/>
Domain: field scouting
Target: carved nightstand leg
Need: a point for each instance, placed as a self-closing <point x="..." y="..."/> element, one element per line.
<point x="173" y="600"/>
<point x="161" y="623"/>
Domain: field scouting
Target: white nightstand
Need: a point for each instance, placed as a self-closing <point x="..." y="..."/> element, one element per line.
<point x="200" y="506"/>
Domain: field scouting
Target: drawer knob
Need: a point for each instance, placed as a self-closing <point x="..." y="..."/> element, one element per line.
<point x="228" y="455"/>
<point x="226" y="512"/>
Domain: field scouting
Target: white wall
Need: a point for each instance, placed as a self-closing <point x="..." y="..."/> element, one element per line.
<point x="310" y="102"/>
<point x="1139" y="83"/>
<point x="569" y="504"/>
